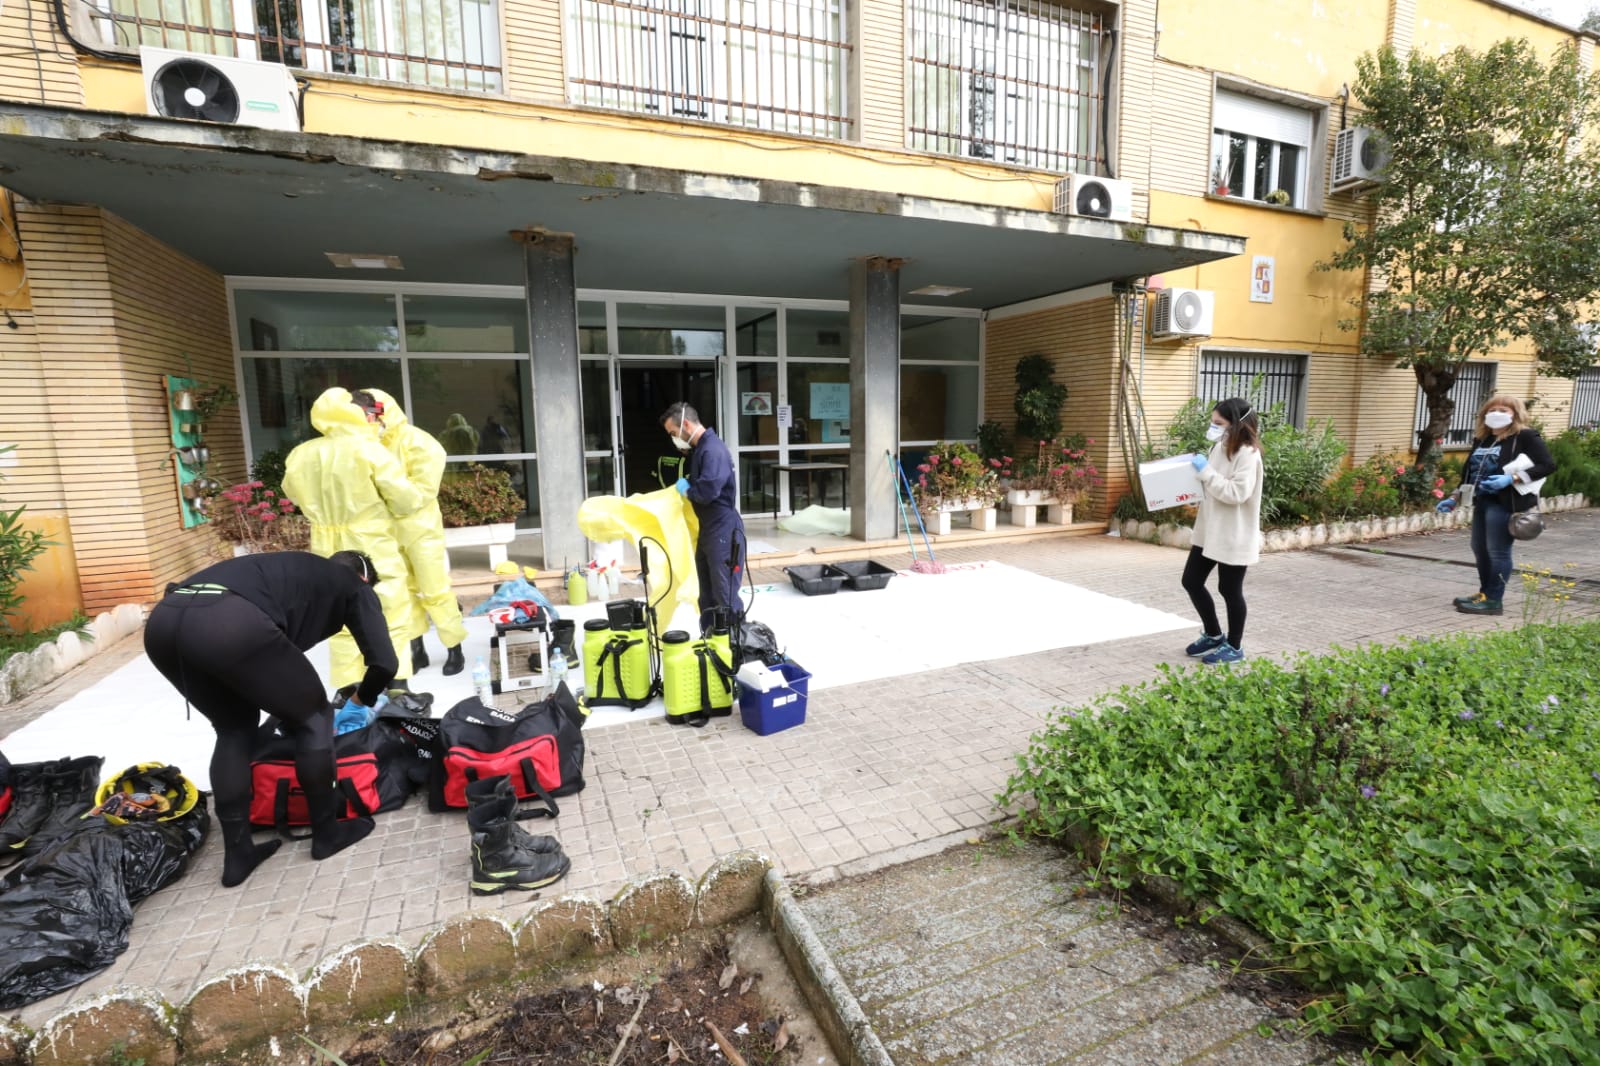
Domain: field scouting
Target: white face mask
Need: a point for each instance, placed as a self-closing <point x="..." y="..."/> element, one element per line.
<point x="1214" y="432"/>
<point x="681" y="444"/>
<point x="1497" y="419"/>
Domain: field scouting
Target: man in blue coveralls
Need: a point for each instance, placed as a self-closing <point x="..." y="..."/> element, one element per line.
<point x="712" y="487"/>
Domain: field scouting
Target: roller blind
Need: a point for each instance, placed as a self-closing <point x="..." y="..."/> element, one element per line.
<point x="1255" y="117"/>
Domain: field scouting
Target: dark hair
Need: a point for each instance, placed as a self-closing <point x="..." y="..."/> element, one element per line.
<point x="359" y="563"/>
<point x="680" y="413"/>
<point x="1243" y="425"/>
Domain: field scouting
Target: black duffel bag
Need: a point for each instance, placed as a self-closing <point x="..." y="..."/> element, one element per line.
<point x="540" y="747"/>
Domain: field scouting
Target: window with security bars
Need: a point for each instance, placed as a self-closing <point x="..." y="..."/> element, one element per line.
<point x="1474" y="384"/>
<point x="452" y="44"/>
<point x="1267" y="379"/>
<point x="767" y="64"/>
<point x="1586" y="398"/>
<point x="1015" y="82"/>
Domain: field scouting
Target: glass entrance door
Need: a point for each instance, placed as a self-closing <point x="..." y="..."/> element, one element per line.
<point x="645" y="389"/>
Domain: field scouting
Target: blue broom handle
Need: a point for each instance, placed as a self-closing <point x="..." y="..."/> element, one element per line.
<point x="900" y="498"/>
<point x="920" y="527"/>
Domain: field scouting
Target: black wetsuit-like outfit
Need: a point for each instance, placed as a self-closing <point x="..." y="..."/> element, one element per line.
<point x="232" y="639"/>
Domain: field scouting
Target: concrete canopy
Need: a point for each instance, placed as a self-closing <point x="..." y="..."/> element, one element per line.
<point x="247" y="201"/>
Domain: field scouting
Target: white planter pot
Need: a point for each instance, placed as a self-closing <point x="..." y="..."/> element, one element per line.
<point x="1029" y="497"/>
<point x="494" y="537"/>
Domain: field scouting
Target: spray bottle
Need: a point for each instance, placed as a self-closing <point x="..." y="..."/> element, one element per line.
<point x="577" y="588"/>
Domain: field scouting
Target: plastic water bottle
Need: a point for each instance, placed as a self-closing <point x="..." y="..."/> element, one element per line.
<point x="480" y="682"/>
<point x="558" y="667"/>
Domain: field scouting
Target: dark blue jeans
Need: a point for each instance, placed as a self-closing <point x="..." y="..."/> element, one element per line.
<point x="1491" y="545"/>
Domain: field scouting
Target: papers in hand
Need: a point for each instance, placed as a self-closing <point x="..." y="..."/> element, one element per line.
<point x="1518" y="469"/>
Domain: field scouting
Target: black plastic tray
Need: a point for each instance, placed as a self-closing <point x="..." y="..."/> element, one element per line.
<point x="814" y="580"/>
<point x="864" y="575"/>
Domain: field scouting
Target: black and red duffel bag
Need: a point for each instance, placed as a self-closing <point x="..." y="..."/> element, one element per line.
<point x="376" y="769"/>
<point x="540" y="747"/>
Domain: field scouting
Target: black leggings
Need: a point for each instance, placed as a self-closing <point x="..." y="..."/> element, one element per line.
<point x="232" y="662"/>
<point x="1230" y="583"/>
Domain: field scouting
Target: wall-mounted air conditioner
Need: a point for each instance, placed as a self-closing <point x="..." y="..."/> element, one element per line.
<point x="1087" y="196"/>
<point x="242" y="92"/>
<point x="1359" y="157"/>
<point x="1182" y="313"/>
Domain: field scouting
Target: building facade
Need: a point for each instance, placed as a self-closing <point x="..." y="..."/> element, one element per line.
<point x="834" y="227"/>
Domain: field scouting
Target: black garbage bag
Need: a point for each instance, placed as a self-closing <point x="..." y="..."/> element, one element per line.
<point x="65" y="913"/>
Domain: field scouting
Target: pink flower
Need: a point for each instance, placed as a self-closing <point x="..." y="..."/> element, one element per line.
<point x="269" y="494"/>
<point x="1399" y="470"/>
<point x="1382" y="480"/>
<point x="923" y="481"/>
<point x="1438" y="482"/>
<point x="286" y="505"/>
<point x="956" y="459"/>
<point x="924" y="467"/>
<point x="1007" y="458"/>
<point x="268" y="516"/>
<point x="1438" y="494"/>
<point x="933" y="460"/>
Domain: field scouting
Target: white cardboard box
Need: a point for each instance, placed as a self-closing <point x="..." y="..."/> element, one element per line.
<point x="1170" y="482"/>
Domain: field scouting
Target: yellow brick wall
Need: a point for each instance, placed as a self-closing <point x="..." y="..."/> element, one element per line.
<point x="115" y="311"/>
<point x="37" y="64"/>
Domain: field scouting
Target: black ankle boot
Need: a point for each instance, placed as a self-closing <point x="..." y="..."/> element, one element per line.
<point x="240" y="854"/>
<point x="499" y="862"/>
<point x="419" y="655"/>
<point x="455" y="660"/>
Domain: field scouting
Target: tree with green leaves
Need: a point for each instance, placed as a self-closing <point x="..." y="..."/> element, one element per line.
<point x="1486" y="227"/>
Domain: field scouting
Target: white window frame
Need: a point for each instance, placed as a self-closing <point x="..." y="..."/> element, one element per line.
<point x="1267" y="118"/>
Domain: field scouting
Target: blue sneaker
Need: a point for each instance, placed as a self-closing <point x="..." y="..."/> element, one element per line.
<point x="1225" y="653"/>
<point x="1206" y="643"/>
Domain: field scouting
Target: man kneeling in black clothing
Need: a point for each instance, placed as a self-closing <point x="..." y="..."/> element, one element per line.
<point x="231" y="638"/>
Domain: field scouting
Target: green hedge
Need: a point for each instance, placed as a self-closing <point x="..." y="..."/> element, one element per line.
<point x="1414" y="828"/>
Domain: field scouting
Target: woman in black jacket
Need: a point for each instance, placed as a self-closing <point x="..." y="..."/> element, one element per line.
<point x="232" y="639"/>
<point x="1503" y="438"/>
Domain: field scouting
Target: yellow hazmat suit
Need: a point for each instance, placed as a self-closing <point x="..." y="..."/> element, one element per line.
<point x="351" y="489"/>
<point x="661" y="517"/>
<point x="421" y="533"/>
<point x="458" y="437"/>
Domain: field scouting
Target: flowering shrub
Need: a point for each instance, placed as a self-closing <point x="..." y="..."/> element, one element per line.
<point x="954" y="472"/>
<point x="478" y="496"/>
<point x="1382" y="486"/>
<point x="258" y="518"/>
<point x="1061" y="469"/>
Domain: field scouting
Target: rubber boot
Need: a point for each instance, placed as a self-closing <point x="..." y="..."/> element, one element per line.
<point x="240" y="854"/>
<point x="499" y="859"/>
<point x="455" y="660"/>
<point x="29" y="806"/>
<point x="419" y="655"/>
<point x="492" y="800"/>
<point x="329" y="835"/>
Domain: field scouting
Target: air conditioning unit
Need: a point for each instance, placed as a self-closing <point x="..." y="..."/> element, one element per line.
<point x="1183" y="313"/>
<point x="1087" y="196"/>
<point x="1359" y="156"/>
<point x="241" y="92"/>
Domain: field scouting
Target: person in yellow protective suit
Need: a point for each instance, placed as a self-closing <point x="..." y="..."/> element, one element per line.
<point x="458" y="436"/>
<point x="421" y="533"/>
<point x="352" y="490"/>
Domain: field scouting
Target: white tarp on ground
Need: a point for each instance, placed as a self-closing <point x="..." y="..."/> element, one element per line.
<point x="973" y="612"/>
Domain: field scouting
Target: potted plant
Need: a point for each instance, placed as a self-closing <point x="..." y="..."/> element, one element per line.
<point x="253" y="518"/>
<point x="1038" y="400"/>
<point x="480" y="508"/>
<point x="953" y="477"/>
<point x="1221" y="175"/>
<point x="1070" y="477"/>
<point x="1278" y="197"/>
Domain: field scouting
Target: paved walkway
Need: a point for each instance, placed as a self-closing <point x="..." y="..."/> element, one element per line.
<point x="881" y="773"/>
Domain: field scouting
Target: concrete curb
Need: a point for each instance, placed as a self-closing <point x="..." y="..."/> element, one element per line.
<point x="30" y="671"/>
<point x="837" y="1010"/>
<point x="1354" y="532"/>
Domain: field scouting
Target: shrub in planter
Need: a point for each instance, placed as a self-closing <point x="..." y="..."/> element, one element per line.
<point x="954" y="473"/>
<point x="478" y="496"/>
<point x="1577" y="456"/>
<point x="258" y="519"/>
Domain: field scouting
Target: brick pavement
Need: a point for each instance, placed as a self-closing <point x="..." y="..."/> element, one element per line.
<point x="880" y="772"/>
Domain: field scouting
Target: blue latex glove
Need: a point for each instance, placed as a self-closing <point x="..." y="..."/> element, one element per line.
<point x="1198" y="461"/>
<point x="1446" y="505"/>
<point x="683" y="486"/>
<point x="351" y="716"/>
<point x="1496" y="482"/>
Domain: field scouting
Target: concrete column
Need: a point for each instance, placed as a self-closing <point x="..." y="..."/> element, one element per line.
<point x="874" y="396"/>
<point x="557" y="410"/>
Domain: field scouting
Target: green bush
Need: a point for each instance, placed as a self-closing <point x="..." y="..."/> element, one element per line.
<point x="1577" y="456"/>
<point x="19" y="547"/>
<point x="1385" y="485"/>
<point x="268" y="469"/>
<point x="1298" y="461"/>
<point x="478" y="496"/>
<point x="1415" y="829"/>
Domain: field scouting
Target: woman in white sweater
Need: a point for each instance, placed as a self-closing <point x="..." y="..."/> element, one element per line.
<point x="1227" y="531"/>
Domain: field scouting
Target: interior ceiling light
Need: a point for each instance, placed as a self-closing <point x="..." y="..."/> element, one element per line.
<point x="940" y="290"/>
<point x="358" y="261"/>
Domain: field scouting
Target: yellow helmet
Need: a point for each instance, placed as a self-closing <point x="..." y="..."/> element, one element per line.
<point x="148" y="792"/>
